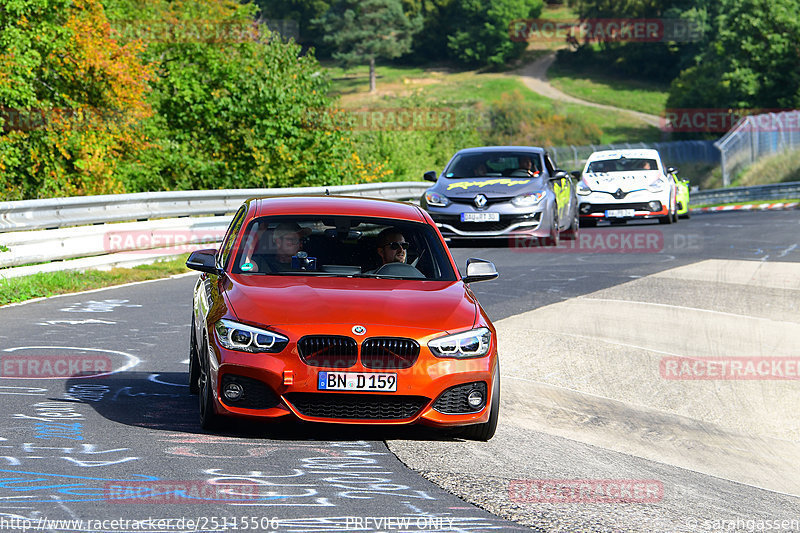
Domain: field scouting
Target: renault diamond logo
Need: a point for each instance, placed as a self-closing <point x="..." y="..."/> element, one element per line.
<point x="619" y="194"/>
<point x="480" y="200"/>
<point x="359" y="330"/>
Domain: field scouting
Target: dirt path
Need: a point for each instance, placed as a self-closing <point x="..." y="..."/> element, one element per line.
<point x="534" y="76"/>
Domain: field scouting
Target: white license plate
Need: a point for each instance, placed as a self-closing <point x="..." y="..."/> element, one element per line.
<point x="480" y="217"/>
<point x="371" y="381"/>
<point x="619" y="213"/>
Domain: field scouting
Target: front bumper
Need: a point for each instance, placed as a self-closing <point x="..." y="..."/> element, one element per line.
<point x="536" y="221"/>
<point x="597" y="204"/>
<point x="280" y="385"/>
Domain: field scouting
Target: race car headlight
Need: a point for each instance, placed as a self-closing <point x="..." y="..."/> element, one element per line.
<point x="657" y="186"/>
<point x="583" y="189"/>
<point x="529" y="199"/>
<point x="235" y="336"/>
<point x="473" y="343"/>
<point x="436" y="200"/>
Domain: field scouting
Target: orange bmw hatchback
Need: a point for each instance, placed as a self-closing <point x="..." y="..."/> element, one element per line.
<point x="341" y="310"/>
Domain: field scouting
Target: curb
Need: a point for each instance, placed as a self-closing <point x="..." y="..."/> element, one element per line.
<point x="746" y="207"/>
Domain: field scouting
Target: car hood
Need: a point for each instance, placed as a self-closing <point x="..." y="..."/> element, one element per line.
<point x="279" y="300"/>
<point x="491" y="187"/>
<point x="627" y="181"/>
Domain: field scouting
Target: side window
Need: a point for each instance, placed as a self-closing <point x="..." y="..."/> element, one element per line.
<point x="230" y="237"/>
<point x="548" y="164"/>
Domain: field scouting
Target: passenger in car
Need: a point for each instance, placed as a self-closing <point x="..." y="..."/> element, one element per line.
<point x="286" y="241"/>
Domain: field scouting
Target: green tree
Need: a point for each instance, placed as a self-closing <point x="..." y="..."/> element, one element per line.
<point x="71" y="99"/>
<point x="430" y="44"/>
<point x="362" y="31"/>
<point x="659" y="61"/>
<point x="301" y="11"/>
<point x="233" y="106"/>
<point x="753" y="60"/>
<point x="482" y="34"/>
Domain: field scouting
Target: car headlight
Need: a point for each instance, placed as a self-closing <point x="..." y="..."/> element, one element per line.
<point x="473" y="343"/>
<point x="235" y="336"/>
<point x="529" y="199"/>
<point x="583" y="189"/>
<point x="436" y="200"/>
<point x="657" y="186"/>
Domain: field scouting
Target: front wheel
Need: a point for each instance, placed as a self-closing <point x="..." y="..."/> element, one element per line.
<point x="194" y="364"/>
<point x="572" y="232"/>
<point x="554" y="237"/>
<point x="209" y="419"/>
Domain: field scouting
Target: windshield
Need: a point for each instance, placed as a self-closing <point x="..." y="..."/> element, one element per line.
<point x="342" y="246"/>
<point x="622" y="164"/>
<point x="479" y="165"/>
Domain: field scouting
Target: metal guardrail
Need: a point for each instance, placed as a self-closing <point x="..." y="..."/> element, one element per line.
<point x="83" y="210"/>
<point x="777" y="191"/>
<point x="81" y="226"/>
<point x="77" y="233"/>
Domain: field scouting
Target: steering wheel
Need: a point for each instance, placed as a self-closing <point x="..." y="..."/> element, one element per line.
<point x="400" y="270"/>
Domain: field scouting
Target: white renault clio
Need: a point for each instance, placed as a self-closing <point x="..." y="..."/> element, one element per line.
<point x="619" y="185"/>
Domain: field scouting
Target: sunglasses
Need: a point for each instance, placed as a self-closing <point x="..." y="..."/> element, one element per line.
<point x="397" y="245"/>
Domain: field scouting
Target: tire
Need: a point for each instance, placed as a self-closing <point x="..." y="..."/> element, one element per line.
<point x="665" y="220"/>
<point x="484" y="432"/>
<point x="209" y="419"/>
<point x="555" y="235"/>
<point x="194" y="363"/>
<point x="574" y="229"/>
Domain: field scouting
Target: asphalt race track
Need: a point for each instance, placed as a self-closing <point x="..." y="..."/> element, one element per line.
<point x="587" y="335"/>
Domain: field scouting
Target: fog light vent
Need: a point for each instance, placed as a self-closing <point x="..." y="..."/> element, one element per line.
<point x="462" y="399"/>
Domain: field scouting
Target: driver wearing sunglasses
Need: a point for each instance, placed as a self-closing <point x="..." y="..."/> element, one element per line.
<point x="392" y="246"/>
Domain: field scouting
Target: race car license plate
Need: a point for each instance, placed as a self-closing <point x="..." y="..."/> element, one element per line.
<point x="480" y="217"/>
<point x="619" y="213"/>
<point x="371" y="381"/>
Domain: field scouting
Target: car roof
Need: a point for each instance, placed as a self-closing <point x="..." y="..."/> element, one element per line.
<point x="335" y="205"/>
<point x="484" y="149"/>
<point x="643" y="153"/>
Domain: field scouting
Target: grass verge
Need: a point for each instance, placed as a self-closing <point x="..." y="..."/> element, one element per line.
<point x="596" y="86"/>
<point x="44" y="284"/>
<point x="443" y="86"/>
<point x="779" y="168"/>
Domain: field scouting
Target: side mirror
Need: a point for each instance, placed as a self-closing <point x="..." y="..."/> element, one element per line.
<point x="430" y="176"/>
<point x="203" y="261"/>
<point x="559" y="175"/>
<point x="576" y="174"/>
<point x="479" y="270"/>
